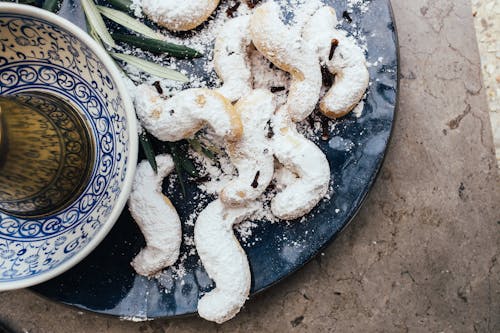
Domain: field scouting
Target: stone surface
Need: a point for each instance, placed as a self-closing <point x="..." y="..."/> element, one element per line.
<point x="487" y="21"/>
<point x="422" y="255"/>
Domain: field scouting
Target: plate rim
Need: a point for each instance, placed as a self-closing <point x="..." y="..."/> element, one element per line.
<point x="370" y="183"/>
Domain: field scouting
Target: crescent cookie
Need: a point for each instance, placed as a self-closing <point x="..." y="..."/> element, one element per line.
<point x="224" y="260"/>
<point x="252" y="155"/>
<point x="287" y="51"/>
<point x="156" y="217"/>
<point x="231" y="58"/>
<point x="185" y="113"/>
<point x="347" y="63"/>
<point x="309" y="164"/>
<point x="179" y="15"/>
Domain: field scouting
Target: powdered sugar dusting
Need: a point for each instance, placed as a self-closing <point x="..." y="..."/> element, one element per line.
<point x="218" y="173"/>
<point x="362" y="5"/>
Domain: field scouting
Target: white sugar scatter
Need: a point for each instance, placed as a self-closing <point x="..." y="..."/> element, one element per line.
<point x="188" y="240"/>
<point x="135" y="319"/>
<point x="137" y="8"/>
<point x="290" y="254"/>
<point x="341" y="144"/>
<point x="216" y="173"/>
<point x="379" y="61"/>
<point x="266" y="76"/>
<point x="219" y="172"/>
<point x="358" y="110"/>
<point x="362" y="5"/>
<point x="245" y="230"/>
<point x="303" y="11"/>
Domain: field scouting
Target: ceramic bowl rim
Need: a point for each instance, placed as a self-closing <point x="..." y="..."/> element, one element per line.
<point x="119" y="204"/>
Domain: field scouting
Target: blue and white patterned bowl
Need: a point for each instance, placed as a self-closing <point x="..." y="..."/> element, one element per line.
<point x="42" y="52"/>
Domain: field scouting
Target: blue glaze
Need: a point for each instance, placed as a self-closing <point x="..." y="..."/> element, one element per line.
<point x="105" y="282"/>
<point x="39" y="56"/>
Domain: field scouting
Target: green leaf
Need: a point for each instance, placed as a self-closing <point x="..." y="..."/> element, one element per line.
<point x="208" y="153"/>
<point x="128" y="22"/>
<point x="178" y="165"/>
<point x="150" y="67"/>
<point x="123" y="5"/>
<point x="213" y="150"/>
<point x="148" y="150"/>
<point x="93" y="33"/>
<point x="157" y="46"/>
<point x="186" y="164"/>
<point x="25" y="2"/>
<point x="51" y="5"/>
<point x="189" y="167"/>
<point x="197" y="146"/>
<point x="96" y="21"/>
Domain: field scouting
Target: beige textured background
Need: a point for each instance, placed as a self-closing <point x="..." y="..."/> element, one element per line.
<point x="487" y="21"/>
<point x="422" y="255"/>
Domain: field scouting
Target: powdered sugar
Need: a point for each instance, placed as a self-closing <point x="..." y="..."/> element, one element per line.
<point x="362" y="5"/>
<point x="343" y="59"/>
<point x="231" y="58"/>
<point x="285" y="48"/>
<point x="179" y="15"/>
<point x="264" y="76"/>
<point x="156" y="217"/>
<point x="184" y="114"/>
<point x="219" y="173"/>
<point x="224" y="259"/>
<point x="201" y="72"/>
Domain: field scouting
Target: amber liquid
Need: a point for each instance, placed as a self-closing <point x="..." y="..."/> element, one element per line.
<point x="46" y="154"/>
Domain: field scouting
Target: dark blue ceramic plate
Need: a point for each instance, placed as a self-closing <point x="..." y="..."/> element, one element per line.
<point x="105" y="283"/>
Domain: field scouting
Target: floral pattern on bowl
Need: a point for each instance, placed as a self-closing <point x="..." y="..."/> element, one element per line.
<point x="44" y="53"/>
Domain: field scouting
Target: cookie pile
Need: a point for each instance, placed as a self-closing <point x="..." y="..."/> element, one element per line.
<point x="259" y="133"/>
